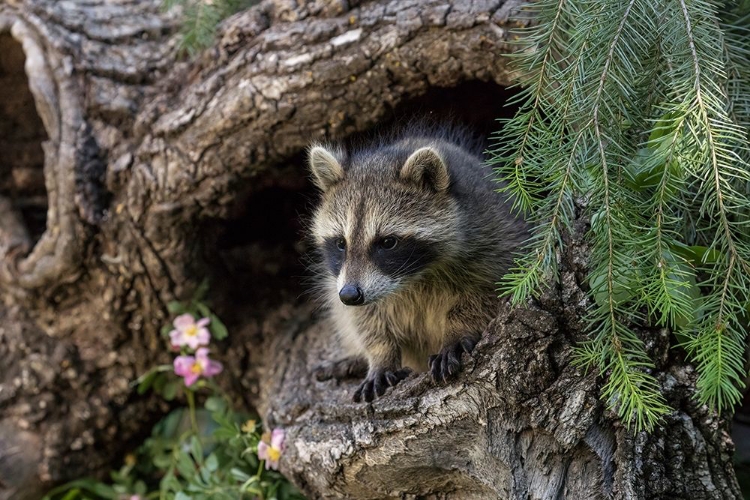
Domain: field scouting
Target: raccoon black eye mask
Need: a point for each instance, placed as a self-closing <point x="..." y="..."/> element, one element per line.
<point x="418" y="298"/>
<point x="407" y="256"/>
<point x="396" y="257"/>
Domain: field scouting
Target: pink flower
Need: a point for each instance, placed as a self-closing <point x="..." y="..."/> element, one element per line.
<point x="188" y="332"/>
<point x="271" y="447"/>
<point x="191" y="368"/>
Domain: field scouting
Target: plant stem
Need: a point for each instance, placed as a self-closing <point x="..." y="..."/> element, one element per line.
<point x="191" y="406"/>
<point x="260" y="469"/>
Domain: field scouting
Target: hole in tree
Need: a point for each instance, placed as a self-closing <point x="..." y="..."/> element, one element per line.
<point x="260" y="246"/>
<point x="258" y="251"/>
<point x="474" y="104"/>
<point x="21" y="136"/>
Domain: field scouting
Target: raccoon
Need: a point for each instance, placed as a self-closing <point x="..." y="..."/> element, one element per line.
<point x="412" y="235"/>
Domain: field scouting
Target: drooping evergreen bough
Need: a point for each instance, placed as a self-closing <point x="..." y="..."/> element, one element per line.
<point x="639" y="112"/>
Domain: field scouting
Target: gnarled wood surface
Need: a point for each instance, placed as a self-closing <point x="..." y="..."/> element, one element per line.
<point x="149" y="159"/>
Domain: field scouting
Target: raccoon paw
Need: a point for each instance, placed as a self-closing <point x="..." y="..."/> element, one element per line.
<point x="341" y="369"/>
<point x="446" y="364"/>
<point x="377" y="382"/>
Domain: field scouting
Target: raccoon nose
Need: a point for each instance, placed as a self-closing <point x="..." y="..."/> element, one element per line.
<point x="351" y="295"/>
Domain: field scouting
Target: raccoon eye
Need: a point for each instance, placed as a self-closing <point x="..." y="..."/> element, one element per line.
<point x="341" y="244"/>
<point x="388" y="243"/>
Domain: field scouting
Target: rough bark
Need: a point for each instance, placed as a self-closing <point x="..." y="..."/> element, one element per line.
<point x="158" y="171"/>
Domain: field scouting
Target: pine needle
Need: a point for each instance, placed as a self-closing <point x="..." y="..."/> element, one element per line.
<point x="642" y="109"/>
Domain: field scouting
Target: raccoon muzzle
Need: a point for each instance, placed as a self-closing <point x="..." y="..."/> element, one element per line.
<point x="351" y="295"/>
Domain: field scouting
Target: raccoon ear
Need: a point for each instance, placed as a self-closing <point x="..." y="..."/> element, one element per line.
<point x="426" y="167"/>
<point x="325" y="168"/>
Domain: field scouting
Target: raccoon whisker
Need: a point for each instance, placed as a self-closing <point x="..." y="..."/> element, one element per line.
<point x="406" y="262"/>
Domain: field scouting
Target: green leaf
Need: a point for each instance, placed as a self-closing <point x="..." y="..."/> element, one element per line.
<point x="622" y="287"/>
<point x="703" y="254"/>
<point x="224" y="434"/>
<point x="140" y="488"/>
<point x="664" y="126"/>
<point x="160" y="380"/>
<point x="201" y="291"/>
<point x="72" y="494"/>
<point x="212" y="463"/>
<point x="239" y="474"/>
<point x="203" y="309"/>
<point x="185" y="466"/>
<point x="78" y="486"/>
<point x="196" y="449"/>
<point x="218" y="328"/>
<point x="215" y="404"/>
<point x="145" y="381"/>
<point x="169" y="391"/>
<point x="640" y="174"/>
<point x="176" y="307"/>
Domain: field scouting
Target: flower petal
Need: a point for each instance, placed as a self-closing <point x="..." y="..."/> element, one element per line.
<point x="191" y="378"/>
<point x="183" y="364"/>
<point x="176" y="338"/>
<point x="203" y="322"/>
<point x="212" y="368"/>
<point x="184" y="321"/>
<point x="202" y="355"/>
<point x="277" y="438"/>
<point x="192" y="341"/>
<point x="271" y="464"/>
<point x="262" y="450"/>
<point x="203" y="337"/>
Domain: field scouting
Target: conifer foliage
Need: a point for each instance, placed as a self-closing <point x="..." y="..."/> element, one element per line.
<point x="639" y="110"/>
<point x="200" y="19"/>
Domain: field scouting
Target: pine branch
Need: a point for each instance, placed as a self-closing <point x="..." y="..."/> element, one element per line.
<point x="646" y="124"/>
<point x="539" y="265"/>
<point x="720" y="350"/>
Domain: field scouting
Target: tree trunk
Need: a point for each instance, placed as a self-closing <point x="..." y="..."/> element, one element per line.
<point x="155" y="172"/>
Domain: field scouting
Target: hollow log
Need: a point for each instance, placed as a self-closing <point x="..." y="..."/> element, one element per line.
<point x="141" y="173"/>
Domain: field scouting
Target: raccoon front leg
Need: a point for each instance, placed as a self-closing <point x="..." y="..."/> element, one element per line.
<point x="353" y="367"/>
<point x="385" y="371"/>
<point x="446" y="364"/>
<point x="465" y="324"/>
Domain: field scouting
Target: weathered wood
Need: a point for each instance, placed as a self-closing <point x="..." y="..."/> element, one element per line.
<point x="145" y="152"/>
<point x="521" y="421"/>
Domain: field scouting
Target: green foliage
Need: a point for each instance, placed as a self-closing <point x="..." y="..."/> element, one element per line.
<point x="218" y="462"/>
<point x="193" y="453"/>
<point x="200" y="19"/>
<point x="639" y="111"/>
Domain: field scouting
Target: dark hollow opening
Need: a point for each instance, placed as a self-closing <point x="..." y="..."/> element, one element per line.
<point x="259" y="251"/>
<point x="21" y="135"/>
<point x="475" y="105"/>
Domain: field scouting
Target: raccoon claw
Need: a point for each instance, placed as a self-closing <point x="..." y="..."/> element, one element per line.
<point x="341" y="369"/>
<point x="446" y="364"/>
<point x="378" y="382"/>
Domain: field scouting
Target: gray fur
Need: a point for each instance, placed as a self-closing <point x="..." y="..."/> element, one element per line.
<point x="458" y="237"/>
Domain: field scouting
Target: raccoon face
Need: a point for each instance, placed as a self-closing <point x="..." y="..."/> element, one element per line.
<point x="383" y="220"/>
